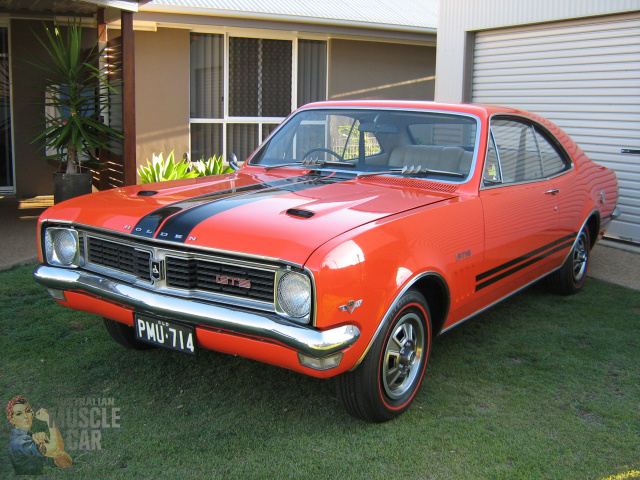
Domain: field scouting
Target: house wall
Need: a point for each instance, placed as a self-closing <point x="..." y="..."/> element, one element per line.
<point x="162" y="93"/>
<point x="458" y="19"/>
<point x="33" y="174"/>
<point x="377" y="70"/>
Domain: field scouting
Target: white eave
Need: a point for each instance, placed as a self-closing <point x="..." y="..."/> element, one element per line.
<point x="131" y="6"/>
<point x="417" y="17"/>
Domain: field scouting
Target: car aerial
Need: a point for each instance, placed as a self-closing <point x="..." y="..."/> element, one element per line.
<point x="352" y="236"/>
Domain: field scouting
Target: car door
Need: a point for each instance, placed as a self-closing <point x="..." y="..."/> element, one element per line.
<point x="520" y="208"/>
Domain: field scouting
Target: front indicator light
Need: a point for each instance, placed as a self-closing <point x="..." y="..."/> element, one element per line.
<point x="325" y="363"/>
<point x="57" y="294"/>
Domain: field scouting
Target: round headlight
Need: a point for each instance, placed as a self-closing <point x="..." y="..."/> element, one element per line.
<point x="61" y="246"/>
<point x="65" y="246"/>
<point x="294" y="294"/>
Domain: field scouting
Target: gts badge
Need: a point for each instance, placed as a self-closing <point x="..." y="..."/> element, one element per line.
<point x="350" y="306"/>
<point x="463" y="255"/>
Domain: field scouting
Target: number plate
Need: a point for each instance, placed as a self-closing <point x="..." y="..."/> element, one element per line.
<point x="166" y="334"/>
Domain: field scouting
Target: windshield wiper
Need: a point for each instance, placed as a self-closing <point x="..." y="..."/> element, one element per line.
<point x="312" y="163"/>
<point x="413" y="170"/>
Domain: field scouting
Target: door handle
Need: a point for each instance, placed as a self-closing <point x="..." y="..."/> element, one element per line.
<point x="630" y="151"/>
<point x="553" y="191"/>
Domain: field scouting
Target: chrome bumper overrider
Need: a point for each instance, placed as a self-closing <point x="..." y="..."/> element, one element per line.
<point x="301" y="338"/>
<point x="616" y="213"/>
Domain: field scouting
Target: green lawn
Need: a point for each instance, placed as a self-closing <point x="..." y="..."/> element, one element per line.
<point x="539" y="387"/>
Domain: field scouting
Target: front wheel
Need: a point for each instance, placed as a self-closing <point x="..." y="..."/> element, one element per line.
<point x="570" y="277"/>
<point x="386" y="382"/>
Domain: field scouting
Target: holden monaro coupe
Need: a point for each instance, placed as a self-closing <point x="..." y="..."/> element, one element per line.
<point x="356" y="233"/>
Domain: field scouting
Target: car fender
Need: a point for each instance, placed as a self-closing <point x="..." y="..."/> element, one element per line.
<point x="362" y="273"/>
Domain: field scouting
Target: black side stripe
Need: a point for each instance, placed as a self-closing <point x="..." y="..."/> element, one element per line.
<point x="149" y="225"/>
<point x="178" y="227"/>
<point x="529" y="259"/>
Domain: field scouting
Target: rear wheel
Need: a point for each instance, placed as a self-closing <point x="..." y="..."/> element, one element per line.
<point x="125" y="335"/>
<point x="570" y="277"/>
<point x="386" y="382"/>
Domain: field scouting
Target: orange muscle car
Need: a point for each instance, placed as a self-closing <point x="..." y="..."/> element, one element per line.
<point x="357" y="232"/>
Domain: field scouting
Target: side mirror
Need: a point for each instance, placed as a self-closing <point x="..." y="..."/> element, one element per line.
<point x="233" y="161"/>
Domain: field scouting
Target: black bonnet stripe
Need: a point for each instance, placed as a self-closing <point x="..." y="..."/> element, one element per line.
<point x="181" y="218"/>
<point x="148" y="225"/>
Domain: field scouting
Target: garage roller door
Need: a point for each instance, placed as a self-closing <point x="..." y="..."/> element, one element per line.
<point x="585" y="77"/>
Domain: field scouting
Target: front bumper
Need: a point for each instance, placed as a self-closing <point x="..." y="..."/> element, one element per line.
<point x="304" y="339"/>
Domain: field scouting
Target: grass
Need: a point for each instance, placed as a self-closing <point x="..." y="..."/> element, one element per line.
<point x="539" y="387"/>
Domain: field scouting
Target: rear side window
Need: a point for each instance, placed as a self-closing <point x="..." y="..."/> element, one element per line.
<point x="521" y="153"/>
<point x="552" y="161"/>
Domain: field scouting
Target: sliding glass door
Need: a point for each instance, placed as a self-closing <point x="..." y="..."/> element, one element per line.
<point x="6" y="157"/>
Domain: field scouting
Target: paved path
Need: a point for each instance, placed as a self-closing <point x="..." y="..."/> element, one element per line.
<point x="616" y="262"/>
<point x="18" y="230"/>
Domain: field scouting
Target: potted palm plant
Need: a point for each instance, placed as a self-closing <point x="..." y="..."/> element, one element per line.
<point x="75" y="101"/>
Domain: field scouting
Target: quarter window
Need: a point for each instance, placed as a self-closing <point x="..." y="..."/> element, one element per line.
<point x="552" y="161"/>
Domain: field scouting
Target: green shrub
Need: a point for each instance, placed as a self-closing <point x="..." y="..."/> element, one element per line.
<point x="160" y="170"/>
<point x="213" y="166"/>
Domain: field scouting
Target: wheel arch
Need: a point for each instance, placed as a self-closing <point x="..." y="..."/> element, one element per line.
<point x="435" y="291"/>
<point x="593" y="225"/>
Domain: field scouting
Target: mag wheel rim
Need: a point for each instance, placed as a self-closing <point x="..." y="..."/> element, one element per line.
<point x="580" y="258"/>
<point x="403" y="356"/>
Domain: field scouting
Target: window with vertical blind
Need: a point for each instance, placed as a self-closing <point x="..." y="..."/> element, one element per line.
<point x="312" y="71"/>
<point x="242" y="88"/>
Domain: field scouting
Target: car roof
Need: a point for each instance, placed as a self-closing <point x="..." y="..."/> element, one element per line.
<point x="482" y="111"/>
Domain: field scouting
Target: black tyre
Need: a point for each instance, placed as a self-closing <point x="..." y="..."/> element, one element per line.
<point x="385" y="383"/>
<point x="125" y="335"/>
<point x="569" y="279"/>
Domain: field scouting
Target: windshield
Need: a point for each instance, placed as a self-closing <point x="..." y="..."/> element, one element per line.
<point x="364" y="141"/>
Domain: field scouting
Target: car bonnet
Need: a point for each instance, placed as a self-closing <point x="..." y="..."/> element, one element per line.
<point x="275" y="215"/>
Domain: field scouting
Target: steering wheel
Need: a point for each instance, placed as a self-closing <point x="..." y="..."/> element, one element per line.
<point x="320" y="149"/>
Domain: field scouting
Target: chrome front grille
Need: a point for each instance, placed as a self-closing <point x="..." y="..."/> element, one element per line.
<point x="184" y="272"/>
<point x="211" y="276"/>
<point x="124" y="258"/>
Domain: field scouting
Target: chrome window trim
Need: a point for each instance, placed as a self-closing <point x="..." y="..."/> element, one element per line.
<point x="472" y="168"/>
<point x="537" y="127"/>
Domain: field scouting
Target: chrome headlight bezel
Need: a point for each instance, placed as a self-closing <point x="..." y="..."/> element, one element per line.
<point x="294" y="295"/>
<point x="61" y="247"/>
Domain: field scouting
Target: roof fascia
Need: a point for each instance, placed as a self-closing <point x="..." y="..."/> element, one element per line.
<point x="269" y="17"/>
<point x="128" y="5"/>
<point x="200" y="22"/>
